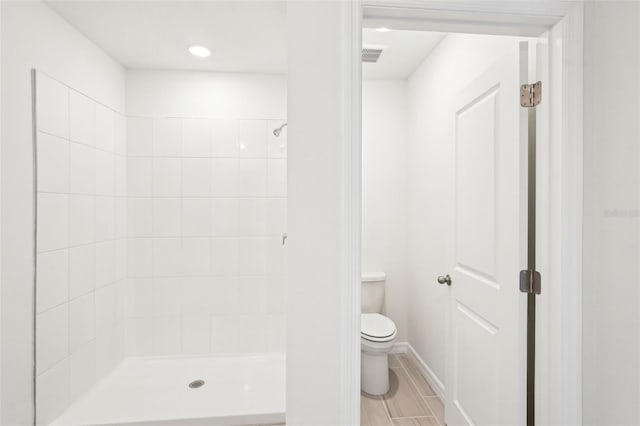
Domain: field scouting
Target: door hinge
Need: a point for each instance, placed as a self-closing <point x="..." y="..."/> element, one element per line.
<point x="530" y="94"/>
<point x="530" y="282"/>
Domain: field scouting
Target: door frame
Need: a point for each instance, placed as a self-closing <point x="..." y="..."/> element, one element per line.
<point x="560" y="316"/>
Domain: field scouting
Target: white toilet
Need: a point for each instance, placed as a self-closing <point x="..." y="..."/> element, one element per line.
<point x="377" y="334"/>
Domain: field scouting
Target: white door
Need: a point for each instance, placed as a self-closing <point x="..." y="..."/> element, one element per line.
<point x="485" y="371"/>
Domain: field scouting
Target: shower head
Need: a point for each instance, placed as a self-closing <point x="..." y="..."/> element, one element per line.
<point x="276" y="132"/>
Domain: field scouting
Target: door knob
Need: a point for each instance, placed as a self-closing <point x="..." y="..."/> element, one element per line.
<point x="446" y="279"/>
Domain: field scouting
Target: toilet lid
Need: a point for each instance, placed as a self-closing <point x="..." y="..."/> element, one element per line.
<point x="377" y="327"/>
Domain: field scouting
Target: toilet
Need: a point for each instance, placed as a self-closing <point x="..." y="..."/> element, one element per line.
<point x="377" y="335"/>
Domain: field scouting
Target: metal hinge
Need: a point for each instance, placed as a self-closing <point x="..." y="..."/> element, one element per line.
<point x="530" y="282"/>
<point x="530" y="94"/>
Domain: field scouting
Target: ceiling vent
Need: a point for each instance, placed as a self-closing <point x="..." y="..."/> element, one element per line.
<point x="371" y="54"/>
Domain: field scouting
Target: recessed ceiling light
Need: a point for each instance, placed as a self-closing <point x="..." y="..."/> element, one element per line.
<point x="383" y="29"/>
<point x="199" y="51"/>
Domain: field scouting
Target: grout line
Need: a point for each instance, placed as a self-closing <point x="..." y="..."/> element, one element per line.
<point x="431" y="410"/>
<point x="386" y="409"/>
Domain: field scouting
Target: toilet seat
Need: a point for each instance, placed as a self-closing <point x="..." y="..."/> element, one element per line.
<point x="377" y="328"/>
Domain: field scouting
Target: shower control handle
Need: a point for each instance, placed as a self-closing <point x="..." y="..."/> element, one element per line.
<point x="446" y="279"/>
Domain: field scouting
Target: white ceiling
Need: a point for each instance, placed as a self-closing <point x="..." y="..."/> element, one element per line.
<point x="404" y="52"/>
<point x="244" y="36"/>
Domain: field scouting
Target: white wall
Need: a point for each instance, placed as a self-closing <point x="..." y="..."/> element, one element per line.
<point x="316" y="321"/>
<point x="611" y="296"/>
<point x="81" y="258"/>
<point x="33" y="37"/>
<point x="206" y="213"/>
<point x="431" y="89"/>
<point x="384" y="193"/>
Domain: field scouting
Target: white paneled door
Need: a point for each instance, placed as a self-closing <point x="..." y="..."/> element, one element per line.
<point x="485" y="373"/>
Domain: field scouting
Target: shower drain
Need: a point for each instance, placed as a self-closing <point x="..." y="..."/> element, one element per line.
<point x="196" y="384"/>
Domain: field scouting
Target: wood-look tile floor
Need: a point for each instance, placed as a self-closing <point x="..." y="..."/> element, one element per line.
<point x="409" y="402"/>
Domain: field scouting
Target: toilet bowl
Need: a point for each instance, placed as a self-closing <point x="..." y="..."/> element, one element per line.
<point x="377" y="335"/>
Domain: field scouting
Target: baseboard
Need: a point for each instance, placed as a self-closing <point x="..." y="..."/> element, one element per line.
<point x="427" y="373"/>
<point x="399" y="348"/>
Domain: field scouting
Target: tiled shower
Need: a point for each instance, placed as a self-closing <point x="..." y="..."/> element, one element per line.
<point x="156" y="236"/>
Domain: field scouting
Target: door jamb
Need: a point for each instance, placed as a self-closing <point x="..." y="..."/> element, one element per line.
<point x="490" y="17"/>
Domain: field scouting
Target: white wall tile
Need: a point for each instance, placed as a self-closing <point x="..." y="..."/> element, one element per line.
<point x="167" y="217"/>
<point x="206" y="219"/>
<point x="252" y="177"/>
<point x="167" y="137"/>
<point x="276" y="295"/>
<point x="225" y="331"/>
<point x="276" y="145"/>
<point x="82" y="276"/>
<point x="52" y="393"/>
<point x="167" y="257"/>
<point x="53" y="164"/>
<point x="105" y="173"/>
<point x="276" y="256"/>
<point x="121" y="294"/>
<point x="166" y="335"/>
<point x="82" y="370"/>
<point x="52" y="336"/>
<point x="106" y="304"/>
<point x="139" y="137"/>
<point x="252" y="141"/>
<point x="140" y="217"/>
<point x="252" y="333"/>
<point x="252" y="295"/>
<point x="196" y="217"/>
<point x="82" y="328"/>
<point x="121" y="259"/>
<point x="225" y="138"/>
<point x="166" y="297"/>
<point x="105" y="128"/>
<point x="252" y="256"/>
<point x="53" y="222"/>
<point x="139" y="299"/>
<point x="196" y="334"/>
<point x="52" y="105"/>
<point x="109" y="347"/>
<point x="197" y="256"/>
<point x="82" y="118"/>
<point x="224" y="177"/>
<point x="224" y="217"/>
<point x="196" y="137"/>
<point x="53" y="279"/>
<point x="121" y="176"/>
<point x="196" y="294"/>
<point x="81" y="219"/>
<point x="252" y="217"/>
<point x="105" y="263"/>
<point x="276" y="325"/>
<point x="82" y="169"/>
<point x="196" y="177"/>
<point x="139" y="336"/>
<point x="224" y="256"/>
<point x="277" y="178"/>
<point x="139" y="177"/>
<point x="226" y="300"/>
<point x="276" y="216"/>
<point x="167" y="177"/>
<point x="105" y="218"/>
<point x="121" y="135"/>
<point x="121" y="217"/>
<point x="140" y="257"/>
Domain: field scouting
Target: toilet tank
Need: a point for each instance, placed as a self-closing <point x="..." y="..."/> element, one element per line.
<point x="373" y="292"/>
